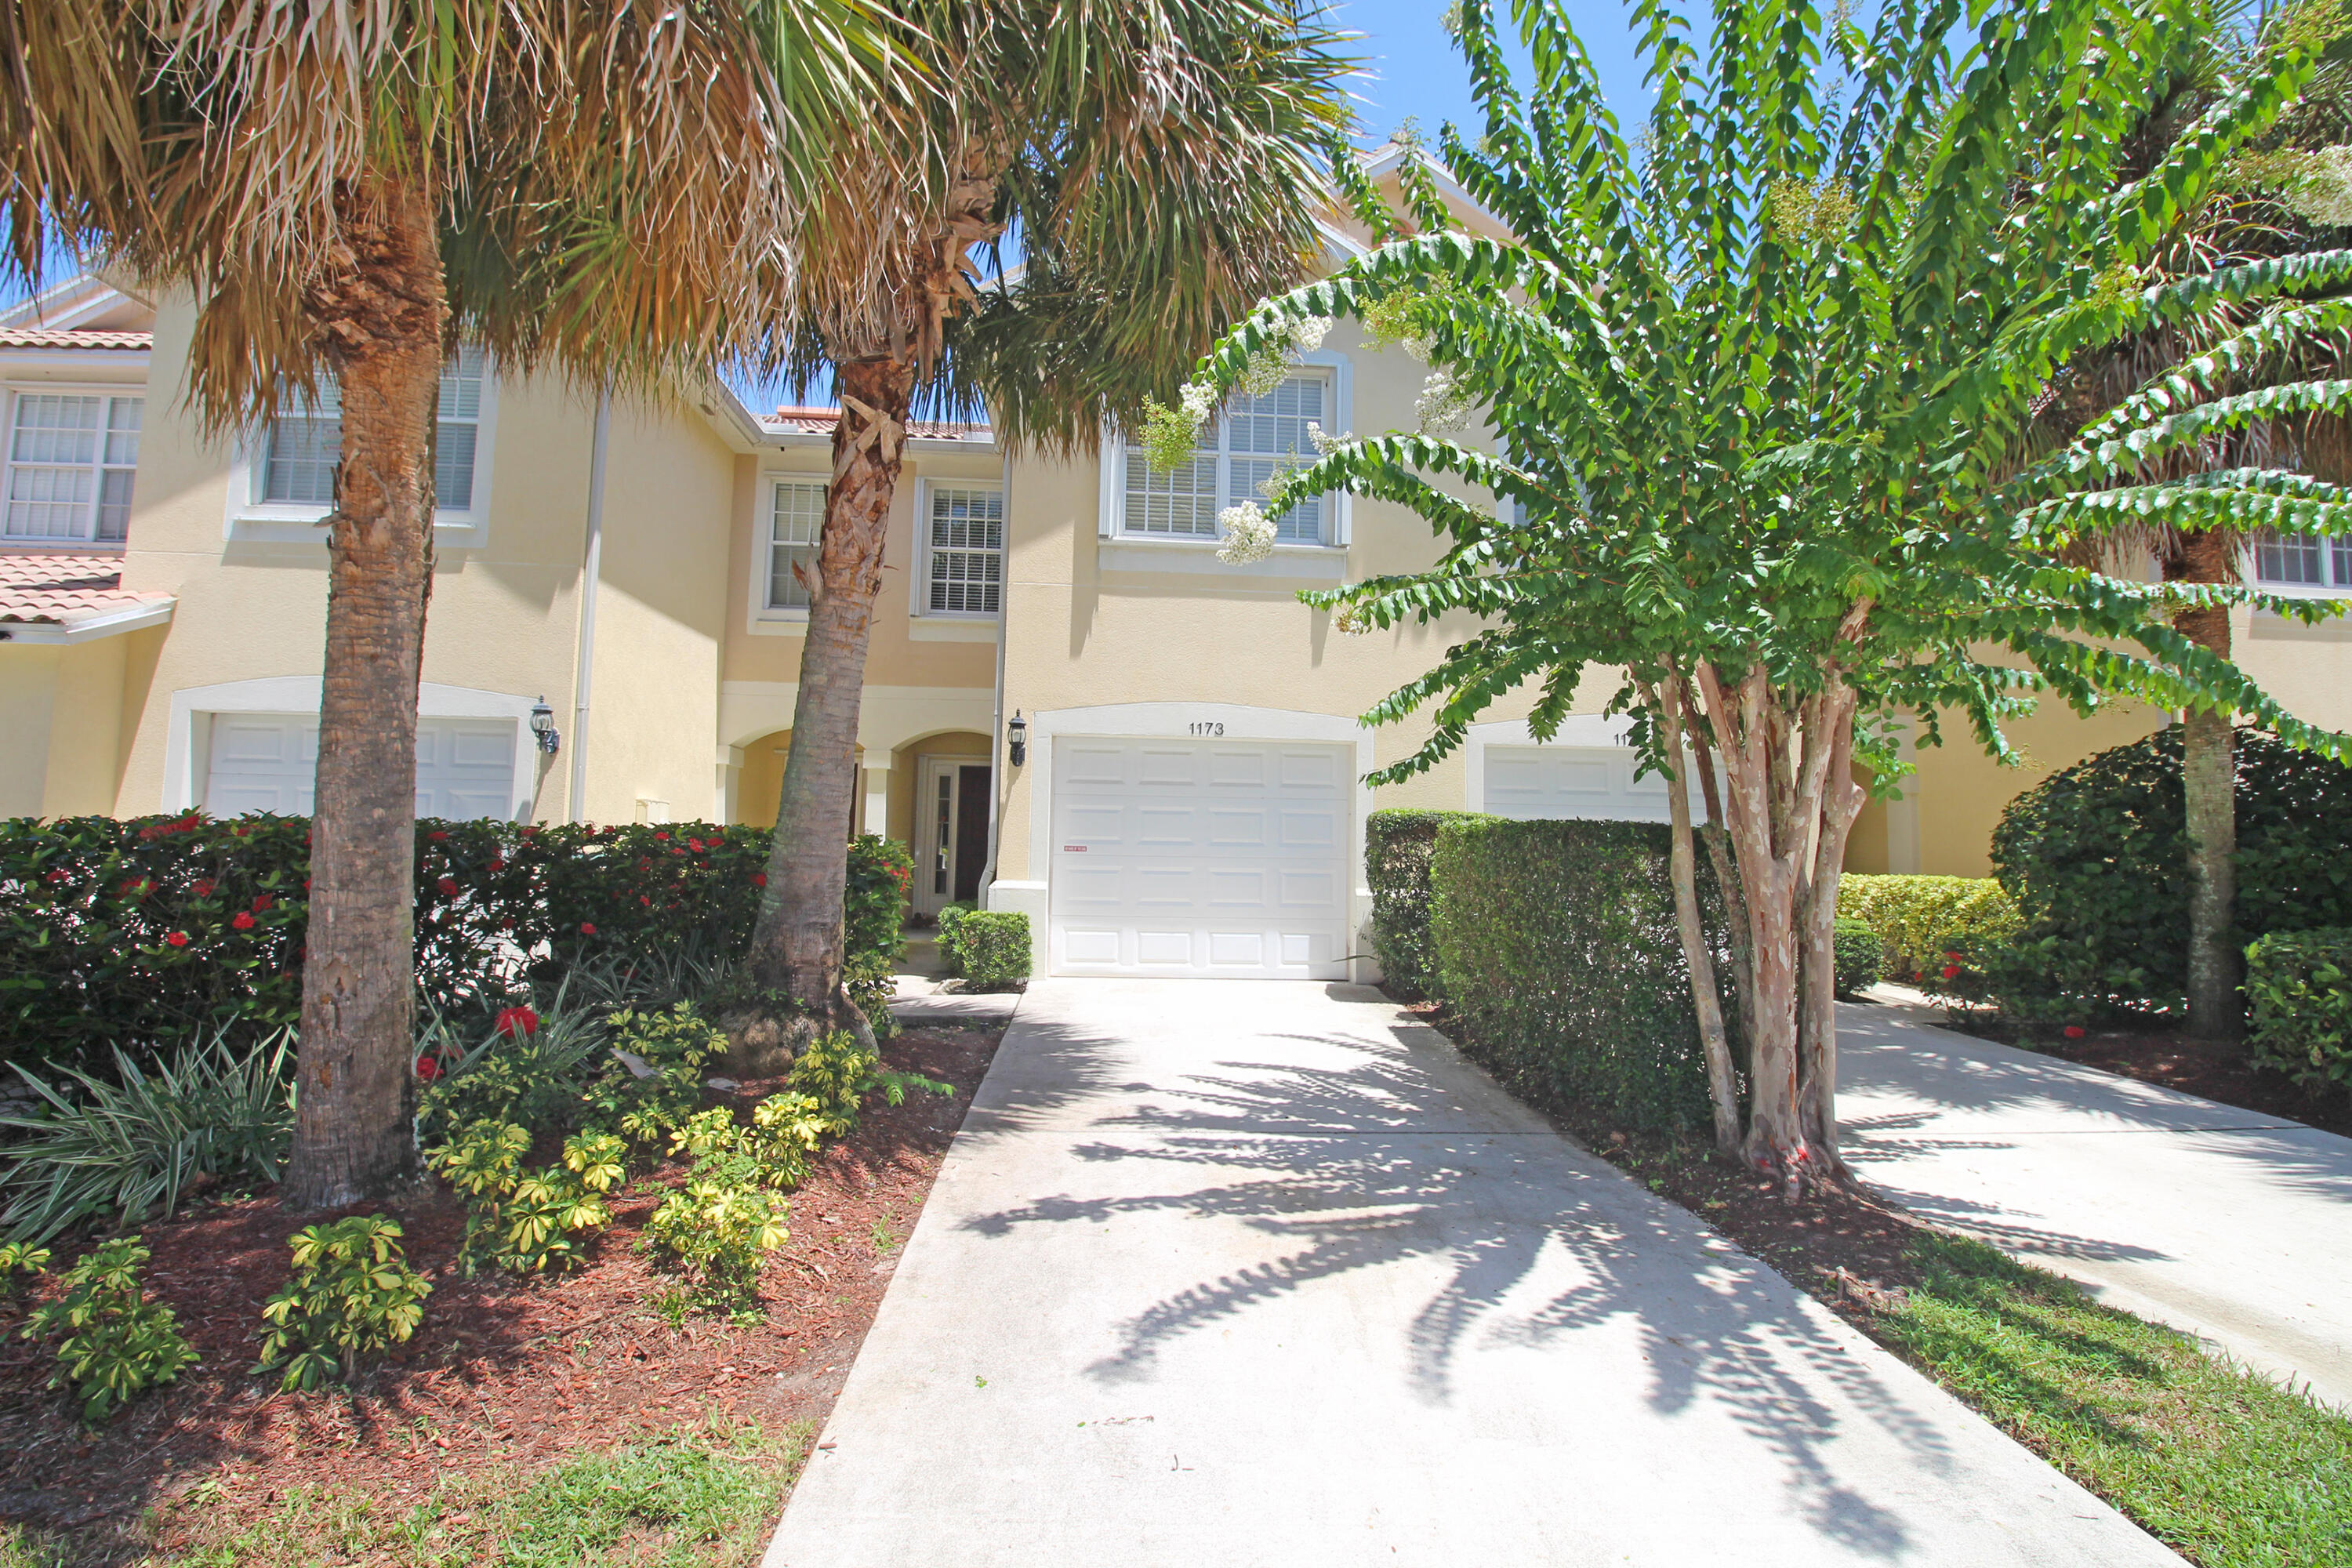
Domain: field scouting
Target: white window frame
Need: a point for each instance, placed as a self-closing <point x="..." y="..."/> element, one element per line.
<point x="919" y="588"/>
<point x="2335" y="565"/>
<point x="1338" y="524"/>
<point x="17" y="392"/>
<point x="787" y="619"/>
<point x="251" y="518"/>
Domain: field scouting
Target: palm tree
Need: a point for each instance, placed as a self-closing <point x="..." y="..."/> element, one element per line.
<point x="1157" y="164"/>
<point x="348" y="190"/>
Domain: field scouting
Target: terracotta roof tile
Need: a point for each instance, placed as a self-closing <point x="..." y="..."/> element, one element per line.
<point x="821" y="421"/>
<point x="63" y="590"/>
<point x="71" y="338"/>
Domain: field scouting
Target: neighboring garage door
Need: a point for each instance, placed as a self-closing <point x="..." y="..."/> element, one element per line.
<point x="1593" y="782"/>
<point x="1203" y="857"/>
<point x="264" y="762"/>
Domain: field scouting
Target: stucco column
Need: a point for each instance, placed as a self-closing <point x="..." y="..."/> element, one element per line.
<point x="875" y="816"/>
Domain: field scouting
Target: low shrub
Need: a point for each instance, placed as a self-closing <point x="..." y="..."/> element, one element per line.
<point x="543" y="1072"/>
<point x="2299" y="984"/>
<point x="1561" y="964"/>
<point x="671" y="1047"/>
<point x="2096" y="858"/>
<point x="990" y="947"/>
<point x="133" y="1148"/>
<point x="1928" y="925"/>
<point x="1859" y="955"/>
<point x="716" y="1230"/>
<point x="149" y="931"/>
<point x="350" y="1293"/>
<point x="530" y="1221"/>
<point x="20" y="1257"/>
<point x="116" y="1342"/>
<point x="1396" y="849"/>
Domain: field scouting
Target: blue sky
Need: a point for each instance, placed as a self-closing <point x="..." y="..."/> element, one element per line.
<point x="1413" y="69"/>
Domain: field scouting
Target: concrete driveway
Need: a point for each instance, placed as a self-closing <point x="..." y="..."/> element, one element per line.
<point x="2235" y="1226"/>
<point x="1224" y="1274"/>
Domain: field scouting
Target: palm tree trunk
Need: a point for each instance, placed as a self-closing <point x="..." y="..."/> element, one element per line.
<point x="2209" y="785"/>
<point x="797" y="946"/>
<point x="381" y="316"/>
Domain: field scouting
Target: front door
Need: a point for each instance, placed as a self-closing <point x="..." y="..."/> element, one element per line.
<point x="952" y="833"/>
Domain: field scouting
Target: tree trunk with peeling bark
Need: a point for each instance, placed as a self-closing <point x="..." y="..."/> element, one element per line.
<point x="2209" y="776"/>
<point x="797" y="946"/>
<point x="1722" y="1077"/>
<point x="382" y="316"/>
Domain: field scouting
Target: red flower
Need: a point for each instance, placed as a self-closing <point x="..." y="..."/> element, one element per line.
<point x="262" y="901"/>
<point x="448" y="886"/>
<point x="2074" y="1031"/>
<point x="587" y="928"/>
<point x="497" y="863"/>
<point x="1952" y="957"/>
<point x="57" y="876"/>
<point x="427" y="1068"/>
<point x="507" y="924"/>
<point x="644" y="900"/>
<point x="243" y="923"/>
<point x="306" y="884"/>
<point x="517" y="1021"/>
<point x="661" y="838"/>
<point x="178" y="939"/>
<point x="1951" y="972"/>
<point x="695" y="845"/>
<point x="531" y="833"/>
<point x="436" y="835"/>
<point x="204" y="888"/>
<point x="237" y="832"/>
<point x="758" y="878"/>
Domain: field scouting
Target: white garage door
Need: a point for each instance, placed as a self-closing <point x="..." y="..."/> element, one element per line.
<point x="1204" y="857"/>
<point x="265" y="761"/>
<point x="1591" y="782"/>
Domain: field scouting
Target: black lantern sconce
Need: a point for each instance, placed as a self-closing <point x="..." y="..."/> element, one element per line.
<point x="1016" y="739"/>
<point x="543" y="724"/>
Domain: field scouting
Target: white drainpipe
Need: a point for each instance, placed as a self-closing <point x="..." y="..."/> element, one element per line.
<point x="591" y="571"/>
<point x="997" y="779"/>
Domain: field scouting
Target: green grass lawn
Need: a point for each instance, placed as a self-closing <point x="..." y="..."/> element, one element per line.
<point x="2226" y="1466"/>
<point x="687" y="1500"/>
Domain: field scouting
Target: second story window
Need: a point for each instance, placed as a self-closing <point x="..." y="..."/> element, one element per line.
<point x="2301" y="560"/>
<point x="305" y="440"/>
<point x="1252" y="441"/>
<point x="71" y="461"/>
<point x="797" y="523"/>
<point x="965" y="543"/>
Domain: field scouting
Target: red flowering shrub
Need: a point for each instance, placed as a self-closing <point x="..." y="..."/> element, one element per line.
<point x="517" y="1021"/>
<point x="2075" y="1031"/>
<point x="427" y="1068"/>
<point x="149" y="931"/>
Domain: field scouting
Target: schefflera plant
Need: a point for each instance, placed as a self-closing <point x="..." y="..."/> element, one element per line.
<point x="350" y="1294"/>
<point x="1761" y="376"/>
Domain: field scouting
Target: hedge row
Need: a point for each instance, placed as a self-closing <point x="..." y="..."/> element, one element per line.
<point x="1937" y="934"/>
<point x="2300" y="985"/>
<point x="1397" y="849"/>
<point x="147" y="932"/>
<point x="1557" y="949"/>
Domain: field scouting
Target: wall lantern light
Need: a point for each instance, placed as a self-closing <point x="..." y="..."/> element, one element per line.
<point x="543" y="724"/>
<point x="1016" y="736"/>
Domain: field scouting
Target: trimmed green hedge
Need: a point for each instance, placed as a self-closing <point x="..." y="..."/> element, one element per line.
<point x="1563" y="968"/>
<point x="2299" y="984"/>
<point x="2097" y="859"/>
<point x="988" y="947"/>
<point x="1860" y="955"/>
<point x="1928" y="925"/>
<point x="144" y="932"/>
<point x="1397" y="846"/>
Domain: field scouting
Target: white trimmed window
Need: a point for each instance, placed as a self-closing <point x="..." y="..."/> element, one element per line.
<point x="2302" y="561"/>
<point x="797" y="523"/>
<point x="964" y="542"/>
<point x="1252" y="441"/>
<point x="71" y="461"/>
<point x="305" y="441"/>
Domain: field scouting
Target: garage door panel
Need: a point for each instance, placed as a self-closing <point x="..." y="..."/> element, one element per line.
<point x="1578" y="783"/>
<point x="270" y="762"/>
<point x="1226" y="859"/>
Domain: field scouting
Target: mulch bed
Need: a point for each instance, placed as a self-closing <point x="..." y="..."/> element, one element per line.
<point x="501" y="1372"/>
<point x="2219" y="1072"/>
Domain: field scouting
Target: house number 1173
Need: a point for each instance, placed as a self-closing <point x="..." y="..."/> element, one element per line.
<point x="1211" y="728"/>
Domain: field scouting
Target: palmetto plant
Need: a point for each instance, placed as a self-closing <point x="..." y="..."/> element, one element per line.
<point x="347" y="189"/>
<point x="1156" y="163"/>
<point x="131" y="1148"/>
<point x="1757" y="379"/>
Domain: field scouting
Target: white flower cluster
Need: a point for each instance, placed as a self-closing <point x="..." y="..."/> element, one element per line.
<point x="1350" y="621"/>
<point x="1198" y="402"/>
<point x="1249" y="534"/>
<point x="1444" y="406"/>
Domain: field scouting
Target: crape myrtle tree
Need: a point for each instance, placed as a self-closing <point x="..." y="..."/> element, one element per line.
<point x="1755" y="380"/>
<point x="347" y="191"/>
<point x="1156" y="166"/>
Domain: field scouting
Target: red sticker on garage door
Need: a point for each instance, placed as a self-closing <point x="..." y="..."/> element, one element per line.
<point x="1074" y="848"/>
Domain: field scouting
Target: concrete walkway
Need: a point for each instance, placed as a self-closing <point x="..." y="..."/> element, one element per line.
<point x="2234" y="1226"/>
<point x="1219" y="1275"/>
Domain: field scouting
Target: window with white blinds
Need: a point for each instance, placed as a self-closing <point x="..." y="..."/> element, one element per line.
<point x="71" y="461"/>
<point x="2301" y="560"/>
<point x="1255" y="439"/>
<point x="305" y="440"/>
<point x="965" y="543"/>
<point x="797" y="522"/>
